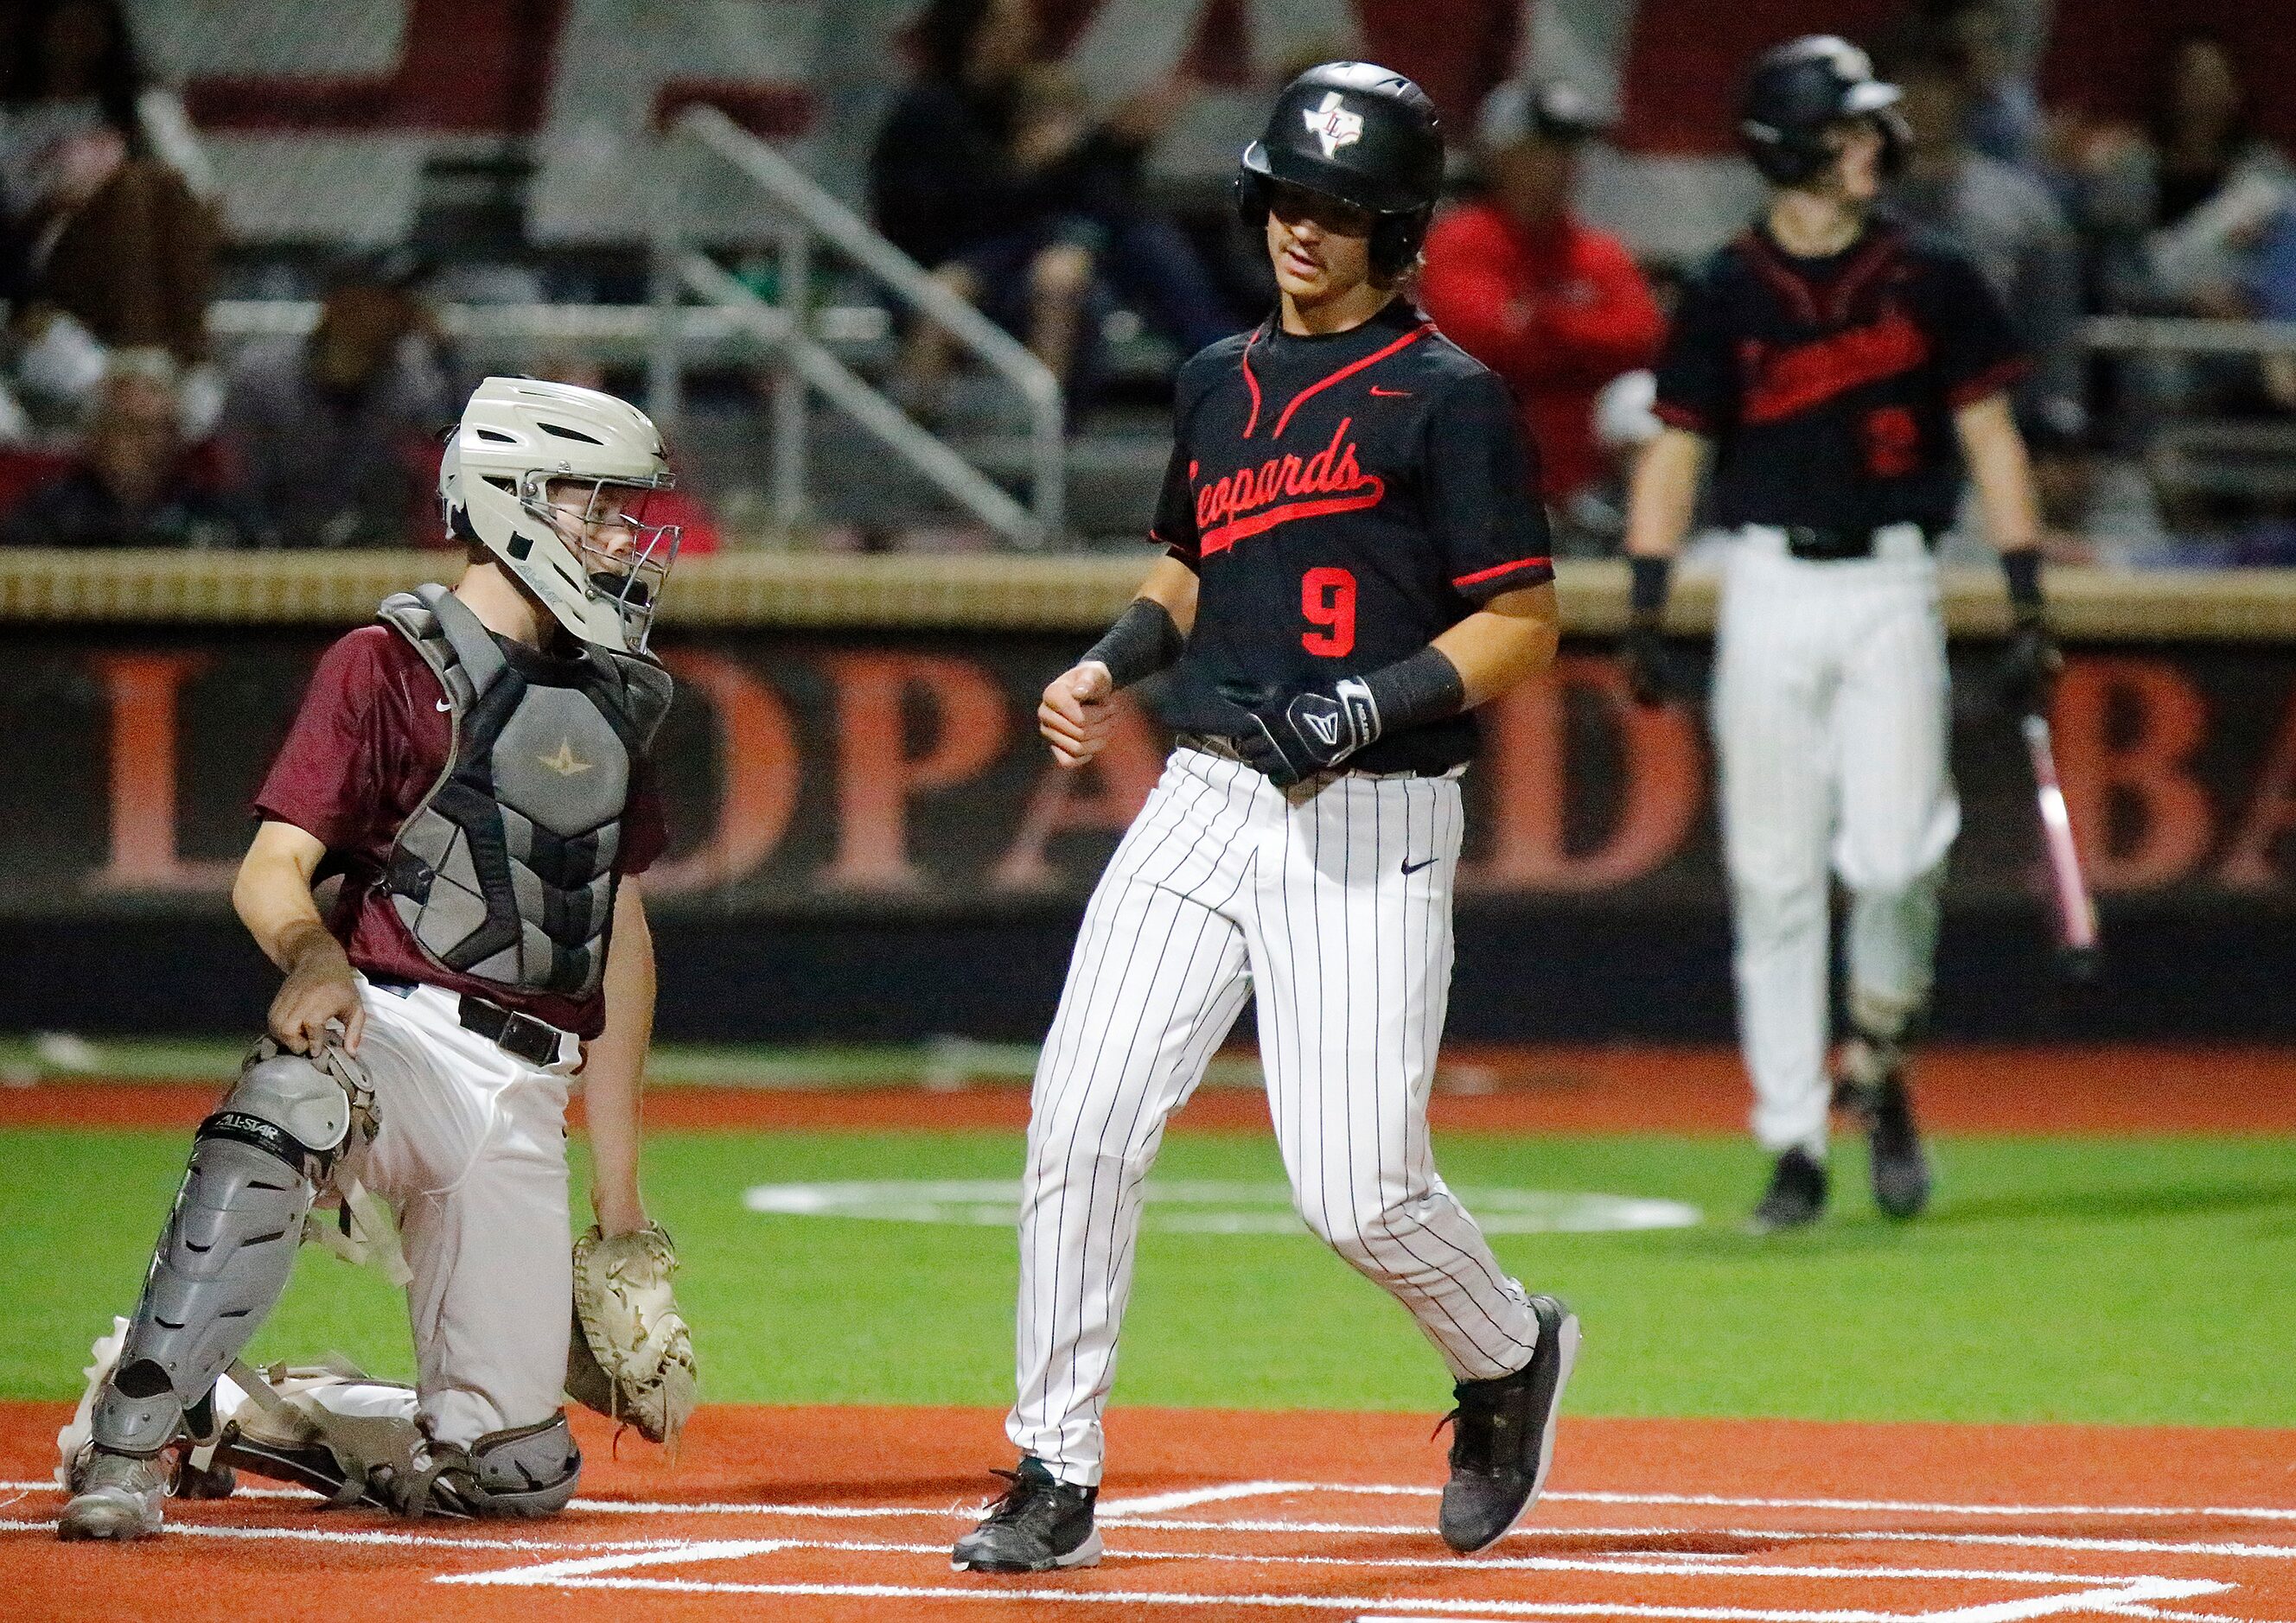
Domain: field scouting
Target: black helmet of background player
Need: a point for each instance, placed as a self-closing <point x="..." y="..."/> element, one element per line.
<point x="1797" y="93"/>
<point x="1358" y="132"/>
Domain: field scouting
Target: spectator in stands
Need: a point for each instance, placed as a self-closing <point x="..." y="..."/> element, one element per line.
<point x="2001" y="112"/>
<point x="2179" y="215"/>
<point x="98" y="173"/>
<point x="1555" y="307"/>
<point x="2181" y="208"/>
<point x="992" y="174"/>
<point x="335" y="433"/>
<point x="2011" y="228"/>
<point x="134" y="484"/>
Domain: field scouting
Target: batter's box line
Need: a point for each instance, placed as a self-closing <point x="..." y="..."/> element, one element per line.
<point x="2106" y="1600"/>
<point x="1625" y="1567"/>
<point x="2113" y="1594"/>
<point x="1218" y="1493"/>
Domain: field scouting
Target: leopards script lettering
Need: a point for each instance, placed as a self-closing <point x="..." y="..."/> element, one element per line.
<point x="1252" y="500"/>
<point x="1784" y="381"/>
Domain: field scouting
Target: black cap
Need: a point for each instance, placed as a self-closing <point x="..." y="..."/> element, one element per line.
<point x="1796" y="90"/>
<point x="1357" y="132"/>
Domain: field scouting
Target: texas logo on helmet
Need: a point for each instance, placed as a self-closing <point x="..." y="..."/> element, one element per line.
<point x="1333" y="125"/>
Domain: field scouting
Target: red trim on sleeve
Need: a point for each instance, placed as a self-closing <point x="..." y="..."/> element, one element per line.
<point x="1497" y="569"/>
<point x="1992" y="380"/>
<point x="1251" y="382"/>
<point x="1679" y="417"/>
<point x="1347" y="370"/>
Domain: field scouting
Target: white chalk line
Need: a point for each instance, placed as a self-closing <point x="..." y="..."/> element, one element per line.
<point x="2008" y="1612"/>
<point x="1281" y="1526"/>
<point x="1183" y="1499"/>
<point x="615" y="1552"/>
<point x="386" y="1538"/>
<point x="726" y="1550"/>
<point x="1156" y="1503"/>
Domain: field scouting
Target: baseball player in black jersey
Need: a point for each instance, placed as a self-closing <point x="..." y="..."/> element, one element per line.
<point x="1841" y="371"/>
<point x="1356" y="557"/>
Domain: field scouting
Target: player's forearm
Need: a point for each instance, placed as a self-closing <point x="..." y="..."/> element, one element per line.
<point x="614" y="1070"/>
<point x="1994" y="452"/>
<point x="1150" y="633"/>
<point x="1511" y="638"/>
<point x="1173" y="585"/>
<point x="272" y="895"/>
<point x="1664" y="492"/>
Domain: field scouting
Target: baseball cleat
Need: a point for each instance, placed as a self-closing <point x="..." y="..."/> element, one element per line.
<point x="1040" y="1524"/>
<point x="1503" y="1436"/>
<point x="1900" y="1169"/>
<point x="115" y="1496"/>
<point x="1796" y="1196"/>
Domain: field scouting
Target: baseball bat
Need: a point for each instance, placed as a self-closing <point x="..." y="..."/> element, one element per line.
<point x="2076" y="913"/>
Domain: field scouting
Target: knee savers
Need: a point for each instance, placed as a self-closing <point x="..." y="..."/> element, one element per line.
<point x="528" y="1470"/>
<point x="229" y="1246"/>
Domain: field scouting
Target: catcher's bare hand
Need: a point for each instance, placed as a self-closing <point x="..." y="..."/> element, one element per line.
<point x="1077" y="714"/>
<point x="318" y="988"/>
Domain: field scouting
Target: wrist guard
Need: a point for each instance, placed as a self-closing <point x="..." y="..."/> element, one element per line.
<point x="1144" y="641"/>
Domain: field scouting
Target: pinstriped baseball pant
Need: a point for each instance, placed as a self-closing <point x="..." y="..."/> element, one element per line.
<point x="1831" y="709"/>
<point x="1333" y="906"/>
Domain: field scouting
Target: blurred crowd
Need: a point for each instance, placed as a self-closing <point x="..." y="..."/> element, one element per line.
<point x="121" y="425"/>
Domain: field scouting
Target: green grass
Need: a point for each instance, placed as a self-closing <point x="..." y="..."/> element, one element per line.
<point x="2139" y="1280"/>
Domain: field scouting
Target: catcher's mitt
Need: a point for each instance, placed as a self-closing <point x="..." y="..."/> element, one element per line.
<point x="631" y="1358"/>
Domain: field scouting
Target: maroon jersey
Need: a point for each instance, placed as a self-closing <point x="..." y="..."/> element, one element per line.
<point x="369" y="742"/>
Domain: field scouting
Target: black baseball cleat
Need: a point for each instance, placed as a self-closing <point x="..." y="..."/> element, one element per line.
<point x="1040" y="1524"/>
<point x="1503" y="1436"/>
<point x="1796" y="1196"/>
<point x="1900" y="1169"/>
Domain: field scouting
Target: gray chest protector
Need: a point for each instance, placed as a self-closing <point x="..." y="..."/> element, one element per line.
<point x="505" y="871"/>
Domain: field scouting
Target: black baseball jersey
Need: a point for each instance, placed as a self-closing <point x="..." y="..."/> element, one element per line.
<point x="1344" y="499"/>
<point x="1828" y="386"/>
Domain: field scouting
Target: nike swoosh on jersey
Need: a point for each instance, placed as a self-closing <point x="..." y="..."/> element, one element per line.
<point x="445" y="705"/>
<point x="1414" y="867"/>
<point x="1392" y="394"/>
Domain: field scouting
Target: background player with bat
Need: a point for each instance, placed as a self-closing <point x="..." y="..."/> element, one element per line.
<point x="1841" y="371"/>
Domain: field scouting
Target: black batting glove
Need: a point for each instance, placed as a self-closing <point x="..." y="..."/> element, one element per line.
<point x="2027" y="675"/>
<point x="1650" y="672"/>
<point x="1290" y="740"/>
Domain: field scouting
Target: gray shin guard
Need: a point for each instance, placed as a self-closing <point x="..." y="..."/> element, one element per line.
<point x="227" y="1250"/>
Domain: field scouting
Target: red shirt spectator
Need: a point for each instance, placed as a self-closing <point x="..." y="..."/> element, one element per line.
<point x="367" y="746"/>
<point x="1553" y="306"/>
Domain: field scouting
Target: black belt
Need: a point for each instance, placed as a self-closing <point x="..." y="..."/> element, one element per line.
<point x="1820" y="544"/>
<point x="1211" y="743"/>
<point x="534" y="1041"/>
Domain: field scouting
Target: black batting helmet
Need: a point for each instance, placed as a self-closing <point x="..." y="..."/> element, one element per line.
<point x="1798" y="89"/>
<point x="1358" y="132"/>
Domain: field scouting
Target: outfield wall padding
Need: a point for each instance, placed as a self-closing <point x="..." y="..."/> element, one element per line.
<point x="869" y="841"/>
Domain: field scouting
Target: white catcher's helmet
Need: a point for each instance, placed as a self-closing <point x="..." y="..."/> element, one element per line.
<point x="517" y="437"/>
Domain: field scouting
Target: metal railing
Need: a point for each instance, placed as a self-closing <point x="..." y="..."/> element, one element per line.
<point x="806" y="216"/>
<point x="2189" y="335"/>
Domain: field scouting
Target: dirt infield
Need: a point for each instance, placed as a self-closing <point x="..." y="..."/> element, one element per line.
<point x="1963" y="1089"/>
<point x="823" y="1515"/>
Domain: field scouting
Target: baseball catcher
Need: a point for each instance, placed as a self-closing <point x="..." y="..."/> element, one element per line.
<point x="474" y="765"/>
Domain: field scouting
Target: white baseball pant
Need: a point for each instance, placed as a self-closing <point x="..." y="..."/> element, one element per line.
<point x="470" y="1155"/>
<point x="1832" y="711"/>
<point x="1332" y="904"/>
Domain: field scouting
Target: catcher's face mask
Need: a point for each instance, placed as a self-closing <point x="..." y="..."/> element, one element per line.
<point x="624" y="558"/>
